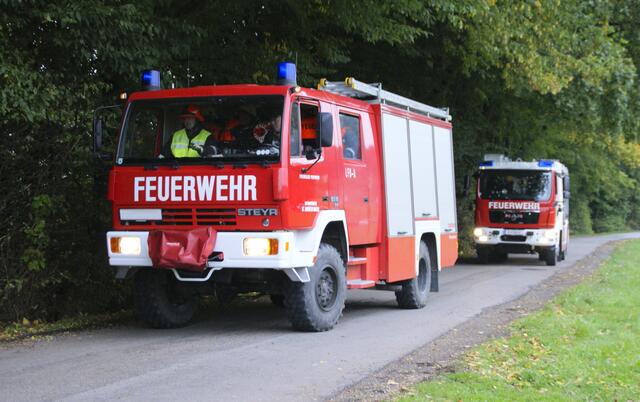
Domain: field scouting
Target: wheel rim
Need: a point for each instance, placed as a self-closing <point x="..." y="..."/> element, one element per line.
<point x="422" y="275"/>
<point x="327" y="289"/>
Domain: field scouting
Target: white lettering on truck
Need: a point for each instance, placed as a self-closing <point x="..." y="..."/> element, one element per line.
<point x="194" y="188"/>
<point x="517" y="205"/>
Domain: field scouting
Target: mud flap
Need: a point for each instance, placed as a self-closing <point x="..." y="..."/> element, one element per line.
<point x="181" y="249"/>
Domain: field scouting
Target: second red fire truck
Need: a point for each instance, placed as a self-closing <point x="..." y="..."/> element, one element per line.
<point x="522" y="207"/>
<point x="354" y="190"/>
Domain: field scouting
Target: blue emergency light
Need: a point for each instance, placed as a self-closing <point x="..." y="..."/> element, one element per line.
<point x="545" y="163"/>
<point x="286" y="73"/>
<point x="150" y="80"/>
<point x="486" y="163"/>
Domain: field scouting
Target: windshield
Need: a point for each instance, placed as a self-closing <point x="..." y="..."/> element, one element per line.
<point x="231" y="128"/>
<point x="515" y="185"/>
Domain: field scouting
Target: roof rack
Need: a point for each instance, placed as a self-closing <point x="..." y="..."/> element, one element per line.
<point x="373" y="93"/>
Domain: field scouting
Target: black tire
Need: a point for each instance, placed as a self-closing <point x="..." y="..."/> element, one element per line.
<point x="551" y="256"/>
<point x="415" y="291"/>
<point x="277" y="300"/>
<point x="317" y="305"/>
<point x="500" y="256"/>
<point x="483" y="254"/>
<point x="561" y="254"/>
<point x="162" y="301"/>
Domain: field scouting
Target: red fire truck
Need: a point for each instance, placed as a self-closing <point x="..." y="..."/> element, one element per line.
<point x="354" y="190"/>
<point x="522" y="207"/>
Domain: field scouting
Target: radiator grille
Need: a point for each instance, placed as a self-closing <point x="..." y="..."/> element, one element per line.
<point x="521" y="217"/>
<point x="189" y="217"/>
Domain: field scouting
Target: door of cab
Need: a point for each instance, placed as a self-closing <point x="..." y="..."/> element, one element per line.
<point x="312" y="186"/>
<point x="356" y="161"/>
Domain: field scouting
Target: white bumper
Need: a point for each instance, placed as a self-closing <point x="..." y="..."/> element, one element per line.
<point x="487" y="236"/>
<point x="231" y="245"/>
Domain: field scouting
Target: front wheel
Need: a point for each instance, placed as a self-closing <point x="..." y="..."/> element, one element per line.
<point x="415" y="291"/>
<point x="483" y="254"/>
<point x="551" y="256"/>
<point x="317" y="305"/>
<point x="162" y="301"/>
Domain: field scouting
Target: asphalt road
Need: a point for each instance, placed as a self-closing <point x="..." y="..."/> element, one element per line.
<point x="248" y="352"/>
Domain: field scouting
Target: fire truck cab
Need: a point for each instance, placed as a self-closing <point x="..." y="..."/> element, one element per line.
<point x="353" y="188"/>
<point x="522" y="207"/>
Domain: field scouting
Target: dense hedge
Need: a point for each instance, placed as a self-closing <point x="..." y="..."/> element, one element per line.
<point x="529" y="79"/>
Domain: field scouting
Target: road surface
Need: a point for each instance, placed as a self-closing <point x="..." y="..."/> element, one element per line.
<point x="249" y="352"/>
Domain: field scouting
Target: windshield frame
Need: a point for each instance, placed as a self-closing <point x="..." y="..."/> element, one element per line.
<point x="235" y="160"/>
<point x="549" y="191"/>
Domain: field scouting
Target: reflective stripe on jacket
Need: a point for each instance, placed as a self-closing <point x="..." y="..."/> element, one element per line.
<point x="180" y="143"/>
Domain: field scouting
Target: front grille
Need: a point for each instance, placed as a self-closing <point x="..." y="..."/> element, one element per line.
<point x="190" y="217"/>
<point x="521" y="217"/>
<point x="513" y="238"/>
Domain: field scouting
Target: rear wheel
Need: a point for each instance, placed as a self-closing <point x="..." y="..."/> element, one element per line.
<point x="551" y="256"/>
<point x="415" y="291"/>
<point x="317" y="305"/>
<point x="162" y="301"/>
<point x="561" y="252"/>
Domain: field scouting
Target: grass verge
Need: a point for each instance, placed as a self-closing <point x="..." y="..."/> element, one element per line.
<point x="584" y="345"/>
<point x="33" y="329"/>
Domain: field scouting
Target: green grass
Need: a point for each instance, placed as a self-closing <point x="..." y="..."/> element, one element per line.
<point x="584" y="345"/>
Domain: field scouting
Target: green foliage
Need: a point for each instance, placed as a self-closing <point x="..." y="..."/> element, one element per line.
<point x="530" y="79"/>
<point x="584" y="345"/>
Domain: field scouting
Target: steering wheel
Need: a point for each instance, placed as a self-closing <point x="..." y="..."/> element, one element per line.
<point x="349" y="153"/>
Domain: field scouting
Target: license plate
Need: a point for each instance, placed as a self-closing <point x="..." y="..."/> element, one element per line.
<point x="514" y="232"/>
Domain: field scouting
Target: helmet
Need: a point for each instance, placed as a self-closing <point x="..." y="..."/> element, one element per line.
<point x="192" y="111"/>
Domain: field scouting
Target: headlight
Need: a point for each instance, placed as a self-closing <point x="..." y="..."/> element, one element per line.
<point x="483" y="238"/>
<point x="260" y="246"/>
<point x="128" y="245"/>
<point x="477" y="232"/>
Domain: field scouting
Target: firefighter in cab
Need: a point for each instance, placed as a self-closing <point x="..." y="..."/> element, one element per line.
<point x="192" y="141"/>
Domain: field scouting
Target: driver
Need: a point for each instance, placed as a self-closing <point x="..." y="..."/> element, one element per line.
<point x="193" y="141"/>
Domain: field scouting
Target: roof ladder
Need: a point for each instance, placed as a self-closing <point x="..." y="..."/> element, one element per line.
<point x="373" y="93"/>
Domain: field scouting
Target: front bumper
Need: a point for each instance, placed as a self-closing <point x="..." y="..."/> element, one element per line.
<point x="538" y="238"/>
<point x="231" y="245"/>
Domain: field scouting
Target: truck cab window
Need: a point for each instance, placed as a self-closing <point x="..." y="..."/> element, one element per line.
<point x="145" y="127"/>
<point x="224" y="128"/>
<point x="350" y="132"/>
<point x="295" y="147"/>
<point x="303" y="133"/>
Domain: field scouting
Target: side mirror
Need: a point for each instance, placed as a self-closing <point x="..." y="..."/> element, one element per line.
<point x="567" y="194"/>
<point x="97" y="134"/>
<point x="325" y="123"/>
<point x="466" y="183"/>
<point x="566" y="183"/>
<point x="97" y="141"/>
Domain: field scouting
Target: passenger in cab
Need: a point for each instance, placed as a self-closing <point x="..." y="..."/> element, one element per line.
<point x="192" y="141"/>
<point x="267" y="133"/>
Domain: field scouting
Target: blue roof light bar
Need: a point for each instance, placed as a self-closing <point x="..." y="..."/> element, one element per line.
<point x="150" y="80"/>
<point x="287" y="73"/>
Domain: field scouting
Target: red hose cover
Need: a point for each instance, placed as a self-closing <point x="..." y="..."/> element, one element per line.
<point x="181" y="249"/>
